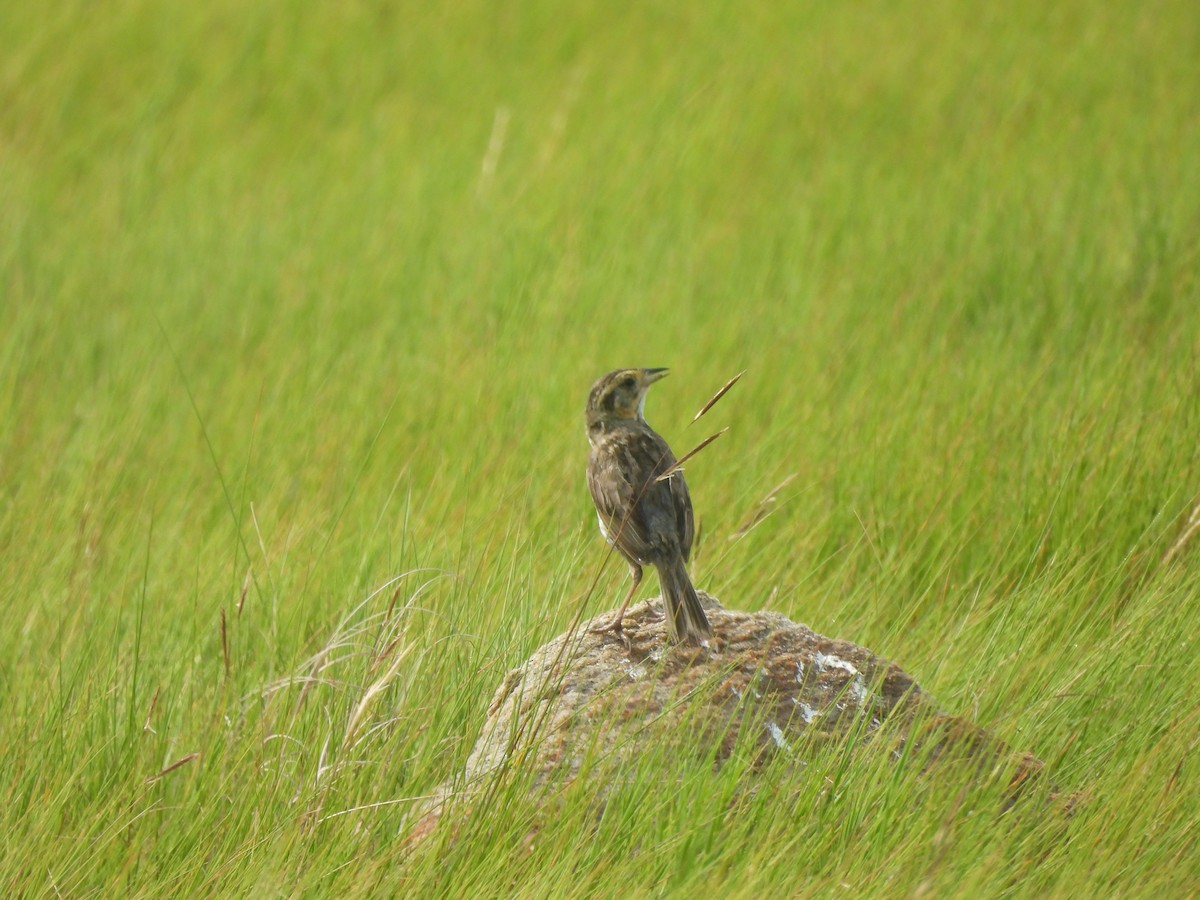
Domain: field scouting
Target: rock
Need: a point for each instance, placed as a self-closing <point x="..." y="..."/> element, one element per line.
<point x="613" y="695"/>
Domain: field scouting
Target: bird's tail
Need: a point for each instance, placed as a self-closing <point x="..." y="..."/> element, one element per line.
<point x="686" y="621"/>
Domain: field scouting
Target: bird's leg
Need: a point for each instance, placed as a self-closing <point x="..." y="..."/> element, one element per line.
<point x="615" y="625"/>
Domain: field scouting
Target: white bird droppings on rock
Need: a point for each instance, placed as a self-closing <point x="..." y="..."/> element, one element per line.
<point x="807" y="713"/>
<point x="829" y="661"/>
<point x="858" y="690"/>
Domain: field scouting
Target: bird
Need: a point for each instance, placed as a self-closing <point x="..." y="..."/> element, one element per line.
<point x="647" y="518"/>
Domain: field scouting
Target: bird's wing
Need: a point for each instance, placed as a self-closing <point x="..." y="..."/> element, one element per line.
<point x="630" y="502"/>
<point x="614" y="496"/>
<point x="681" y="500"/>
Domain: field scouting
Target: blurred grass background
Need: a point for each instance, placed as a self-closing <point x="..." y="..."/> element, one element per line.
<point x="298" y="299"/>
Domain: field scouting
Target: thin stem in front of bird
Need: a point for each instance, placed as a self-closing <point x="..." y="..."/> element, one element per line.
<point x="679" y="462"/>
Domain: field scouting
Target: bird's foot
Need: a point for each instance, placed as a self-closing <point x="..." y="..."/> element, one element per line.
<point x="616" y="629"/>
<point x="616" y="626"/>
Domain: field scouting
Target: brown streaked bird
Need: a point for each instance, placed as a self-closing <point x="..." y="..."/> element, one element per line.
<point x="648" y="521"/>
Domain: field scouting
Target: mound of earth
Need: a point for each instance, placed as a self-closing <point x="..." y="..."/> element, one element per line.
<point x="763" y="682"/>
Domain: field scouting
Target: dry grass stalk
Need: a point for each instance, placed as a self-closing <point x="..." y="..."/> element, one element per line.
<point x="761" y="509"/>
<point x="150" y="712"/>
<point x="1189" y="531"/>
<point x="679" y="462"/>
<point x="245" y="588"/>
<point x="491" y="159"/>
<point x="717" y="396"/>
<point x="173" y="766"/>
<point x="374" y="691"/>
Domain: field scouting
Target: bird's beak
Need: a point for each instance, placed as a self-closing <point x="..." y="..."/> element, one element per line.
<point x="649" y="376"/>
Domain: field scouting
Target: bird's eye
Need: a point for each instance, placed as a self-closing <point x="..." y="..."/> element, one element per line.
<point x="629" y="382"/>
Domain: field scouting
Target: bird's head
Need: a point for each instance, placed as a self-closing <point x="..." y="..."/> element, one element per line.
<point x="620" y="394"/>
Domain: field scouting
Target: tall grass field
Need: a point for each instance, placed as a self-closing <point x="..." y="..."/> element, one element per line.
<point x="299" y="308"/>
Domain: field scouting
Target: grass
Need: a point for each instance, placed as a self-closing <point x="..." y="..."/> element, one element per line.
<point x="300" y="308"/>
